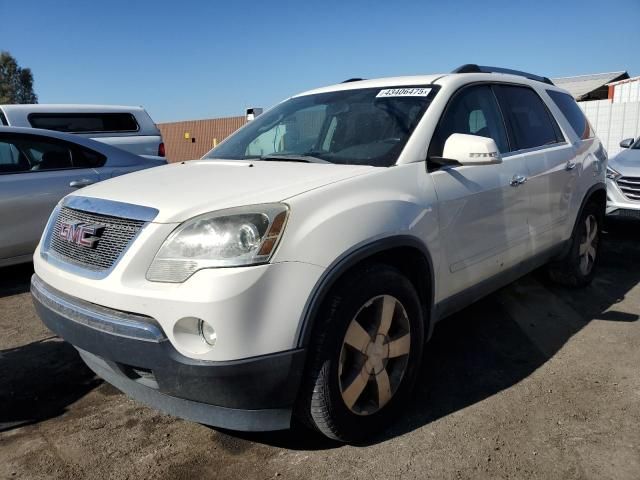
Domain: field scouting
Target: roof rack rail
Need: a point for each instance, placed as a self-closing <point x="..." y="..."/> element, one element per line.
<point x="473" y="68"/>
<point x="348" y="80"/>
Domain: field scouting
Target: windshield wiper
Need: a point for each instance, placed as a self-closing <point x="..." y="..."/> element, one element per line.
<point x="292" y="157"/>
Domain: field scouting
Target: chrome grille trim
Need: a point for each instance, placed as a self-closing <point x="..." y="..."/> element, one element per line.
<point x="118" y="234"/>
<point x="123" y="223"/>
<point x="630" y="187"/>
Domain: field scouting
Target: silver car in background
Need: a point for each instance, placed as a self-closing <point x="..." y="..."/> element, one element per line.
<point x="623" y="181"/>
<point x="129" y="128"/>
<point x="37" y="169"/>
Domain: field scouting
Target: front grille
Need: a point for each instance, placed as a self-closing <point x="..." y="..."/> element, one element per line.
<point x="630" y="187"/>
<point x="115" y="238"/>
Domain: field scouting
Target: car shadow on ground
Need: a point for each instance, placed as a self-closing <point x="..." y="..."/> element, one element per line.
<point x="15" y="279"/>
<point x="483" y="350"/>
<point x="41" y="379"/>
<point x="38" y="381"/>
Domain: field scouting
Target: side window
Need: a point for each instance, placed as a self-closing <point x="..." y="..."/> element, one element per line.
<point x="573" y="113"/>
<point x="473" y="111"/>
<point x="11" y="158"/>
<point x="84" y="122"/>
<point x="29" y="153"/>
<point x="44" y="155"/>
<point x="85" y="158"/>
<point x="531" y="123"/>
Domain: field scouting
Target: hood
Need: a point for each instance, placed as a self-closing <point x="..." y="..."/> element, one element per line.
<point x="183" y="190"/>
<point x="627" y="163"/>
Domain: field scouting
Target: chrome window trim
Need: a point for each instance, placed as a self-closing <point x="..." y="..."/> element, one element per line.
<point x="534" y="149"/>
<point x="98" y="206"/>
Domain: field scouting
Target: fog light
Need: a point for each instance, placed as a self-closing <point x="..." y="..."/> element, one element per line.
<point x="208" y="333"/>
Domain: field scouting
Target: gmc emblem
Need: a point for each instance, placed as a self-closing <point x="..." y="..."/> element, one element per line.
<point x="83" y="234"/>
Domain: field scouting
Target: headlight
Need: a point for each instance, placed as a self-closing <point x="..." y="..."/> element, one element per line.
<point x="227" y="238"/>
<point x="612" y="174"/>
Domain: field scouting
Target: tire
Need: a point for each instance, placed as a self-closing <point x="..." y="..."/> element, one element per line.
<point x="579" y="265"/>
<point x="346" y="359"/>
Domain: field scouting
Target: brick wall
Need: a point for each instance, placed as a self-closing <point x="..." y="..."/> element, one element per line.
<point x="192" y="139"/>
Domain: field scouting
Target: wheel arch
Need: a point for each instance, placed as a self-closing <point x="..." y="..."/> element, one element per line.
<point x="596" y="192"/>
<point x="407" y="253"/>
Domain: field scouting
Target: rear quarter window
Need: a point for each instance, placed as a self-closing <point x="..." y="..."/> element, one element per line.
<point x="573" y="113"/>
<point x="85" y="122"/>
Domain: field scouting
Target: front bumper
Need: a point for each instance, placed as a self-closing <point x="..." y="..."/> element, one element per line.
<point x="132" y="353"/>
<point x="618" y="204"/>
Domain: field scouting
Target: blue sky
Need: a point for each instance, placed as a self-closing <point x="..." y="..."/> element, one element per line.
<point x="187" y="60"/>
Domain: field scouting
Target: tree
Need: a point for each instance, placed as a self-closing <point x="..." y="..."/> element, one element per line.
<point x="16" y="83"/>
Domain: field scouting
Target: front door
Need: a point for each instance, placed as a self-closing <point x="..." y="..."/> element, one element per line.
<point x="482" y="209"/>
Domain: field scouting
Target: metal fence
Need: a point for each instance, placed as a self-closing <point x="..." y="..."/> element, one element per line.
<point x="613" y="122"/>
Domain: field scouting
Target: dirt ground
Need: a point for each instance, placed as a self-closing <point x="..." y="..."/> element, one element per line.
<point x="535" y="381"/>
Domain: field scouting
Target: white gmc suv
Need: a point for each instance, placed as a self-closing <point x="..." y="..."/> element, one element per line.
<point x="299" y="268"/>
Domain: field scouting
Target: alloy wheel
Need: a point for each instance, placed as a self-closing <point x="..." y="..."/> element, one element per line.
<point x="374" y="355"/>
<point x="588" y="245"/>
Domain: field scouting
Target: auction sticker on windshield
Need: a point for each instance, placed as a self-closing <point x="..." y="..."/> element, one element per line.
<point x="404" y="92"/>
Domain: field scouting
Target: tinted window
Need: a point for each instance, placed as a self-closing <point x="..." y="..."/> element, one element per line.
<point x="3" y="119"/>
<point x="531" y="123"/>
<point x="473" y="111"/>
<point x="84" y="122"/>
<point x="24" y="153"/>
<point x="11" y="159"/>
<point x="85" y="158"/>
<point x="572" y="113"/>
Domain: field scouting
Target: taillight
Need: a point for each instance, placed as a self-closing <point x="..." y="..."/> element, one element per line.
<point x="161" y="149"/>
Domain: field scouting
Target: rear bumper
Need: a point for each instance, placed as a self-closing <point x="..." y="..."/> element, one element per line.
<point x="132" y="353"/>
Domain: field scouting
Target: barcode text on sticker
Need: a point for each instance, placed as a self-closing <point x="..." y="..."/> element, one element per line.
<point x="404" y="92"/>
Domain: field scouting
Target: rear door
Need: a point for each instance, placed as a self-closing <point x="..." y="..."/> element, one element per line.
<point x="482" y="210"/>
<point x="35" y="173"/>
<point x="537" y="138"/>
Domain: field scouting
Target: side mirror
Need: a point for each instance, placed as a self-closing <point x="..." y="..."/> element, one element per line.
<point x="626" y="143"/>
<point x="471" y="150"/>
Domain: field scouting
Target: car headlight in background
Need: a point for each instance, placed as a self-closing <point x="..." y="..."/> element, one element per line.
<point x="226" y="238"/>
<point x="612" y="174"/>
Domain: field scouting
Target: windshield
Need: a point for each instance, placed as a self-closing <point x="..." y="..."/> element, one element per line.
<point x="367" y="126"/>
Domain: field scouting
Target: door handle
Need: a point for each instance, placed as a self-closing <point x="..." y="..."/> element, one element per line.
<point x="571" y="165"/>
<point x="518" y="180"/>
<point x="81" y="183"/>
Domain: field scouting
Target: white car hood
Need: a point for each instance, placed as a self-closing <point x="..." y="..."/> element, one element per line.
<point x="183" y="190"/>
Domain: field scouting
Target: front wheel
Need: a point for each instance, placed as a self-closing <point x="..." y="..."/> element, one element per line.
<point x="366" y="354"/>
<point x="577" y="268"/>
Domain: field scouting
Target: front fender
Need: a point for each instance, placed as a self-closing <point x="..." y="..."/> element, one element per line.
<point x="337" y="226"/>
<point x="326" y="223"/>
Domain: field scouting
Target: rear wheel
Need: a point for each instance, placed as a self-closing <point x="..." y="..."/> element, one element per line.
<point x="366" y="354"/>
<point x="577" y="268"/>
